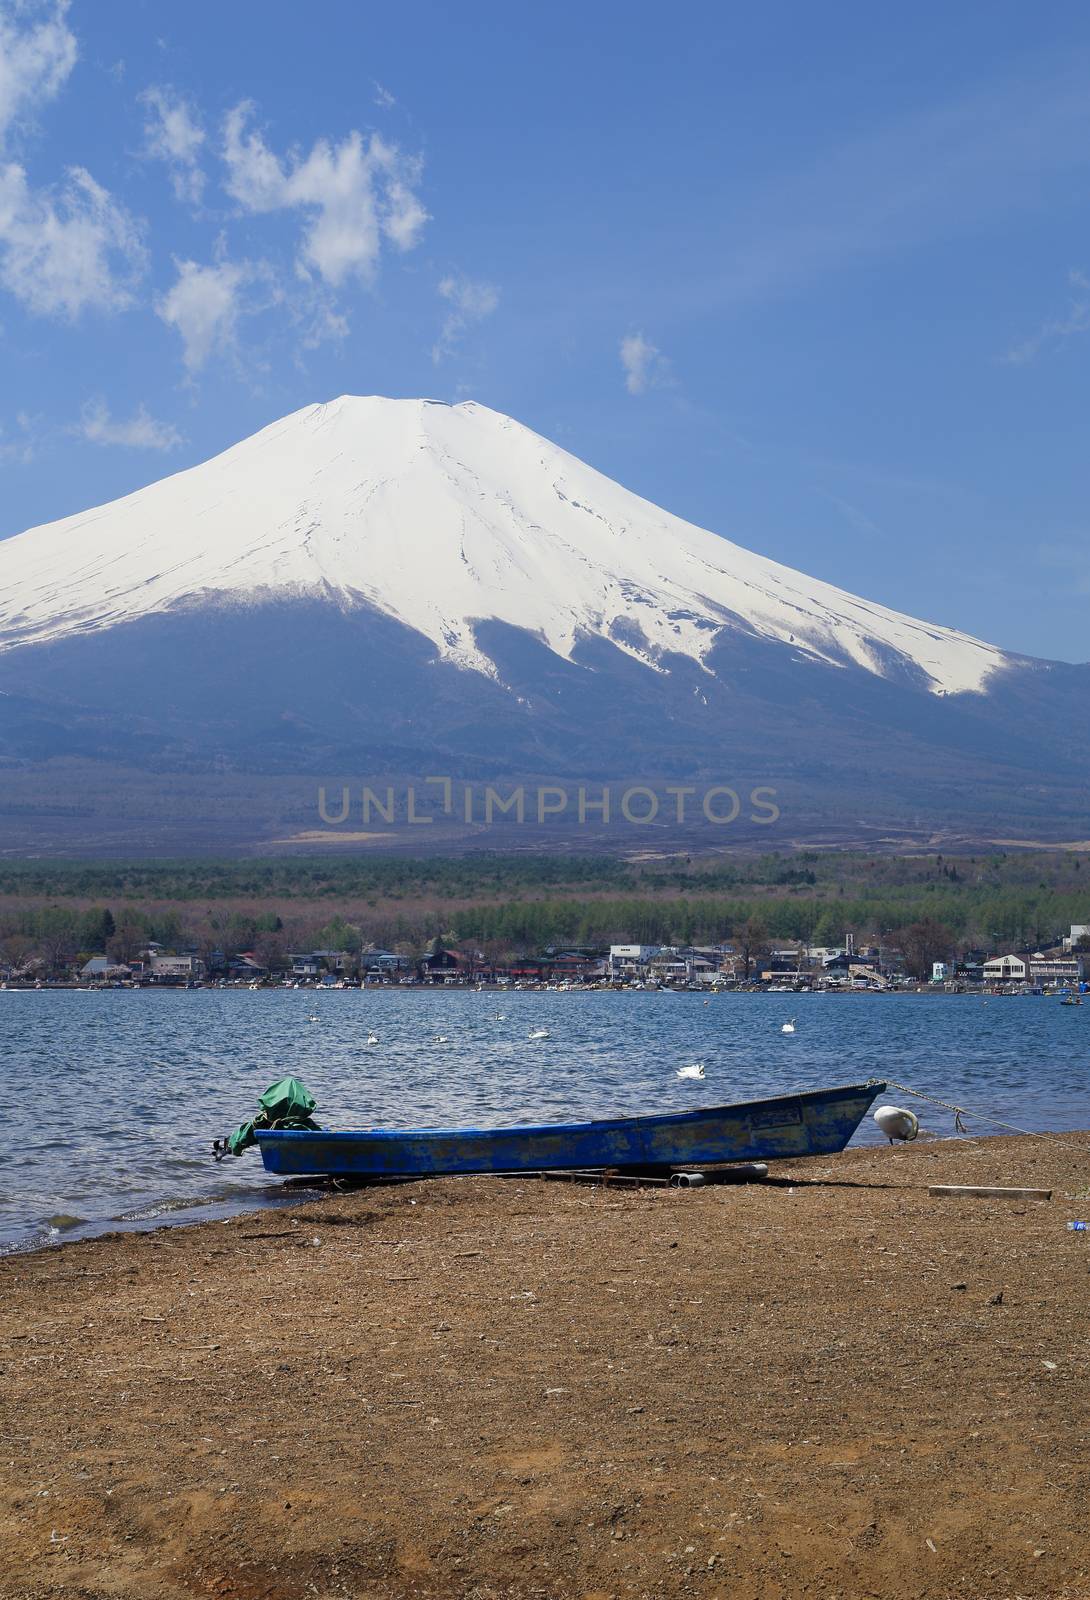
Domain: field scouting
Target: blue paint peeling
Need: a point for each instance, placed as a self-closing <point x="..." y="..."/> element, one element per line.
<point x="816" y="1123"/>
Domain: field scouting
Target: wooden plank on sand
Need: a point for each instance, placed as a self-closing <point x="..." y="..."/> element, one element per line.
<point x="982" y="1192"/>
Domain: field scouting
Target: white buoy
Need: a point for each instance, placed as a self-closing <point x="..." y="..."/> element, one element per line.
<point x="695" y="1071"/>
<point x="896" y="1123"/>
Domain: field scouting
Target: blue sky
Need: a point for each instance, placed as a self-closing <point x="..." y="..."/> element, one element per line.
<point x="815" y="277"/>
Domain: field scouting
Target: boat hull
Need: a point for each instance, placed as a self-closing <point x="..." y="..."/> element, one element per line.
<point x="817" y="1123"/>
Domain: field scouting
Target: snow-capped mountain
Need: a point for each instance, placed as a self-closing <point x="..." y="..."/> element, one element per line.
<point x="442" y="517"/>
<point x="405" y="588"/>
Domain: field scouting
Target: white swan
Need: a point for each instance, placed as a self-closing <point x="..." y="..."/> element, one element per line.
<point x="441" y="1038"/>
<point x="538" y="1033"/>
<point x="788" y="1027"/>
<point x="372" y="1038"/>
<point x="896" y="1123"/>
<point x="695" y="1071"/>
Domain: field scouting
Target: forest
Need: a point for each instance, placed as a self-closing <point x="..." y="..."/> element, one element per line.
<point x="59" y="912"/>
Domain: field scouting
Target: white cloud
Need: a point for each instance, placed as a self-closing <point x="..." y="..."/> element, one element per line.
<point x="1057" y="329"/>
<point x="35" y="60"/>
<point x="470" y="301"/>
<point x="72" y="248"/>
<point x="64" y="253"/>
<point x="140" y="432"/>
<point x="203" y="306"/>
<point x="645" y="367"/>
<point x="21" y="446"/>
<point x="173" y="133"/>
<point x="358" y="194"/>
<point x="321" y="322"/>
<point x="383" y="98"/>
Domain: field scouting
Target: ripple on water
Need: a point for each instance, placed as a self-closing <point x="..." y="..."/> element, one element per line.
<point x="112" y="1109"/>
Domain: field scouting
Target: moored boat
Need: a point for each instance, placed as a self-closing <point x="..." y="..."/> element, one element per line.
<point x="813" y="1123"/>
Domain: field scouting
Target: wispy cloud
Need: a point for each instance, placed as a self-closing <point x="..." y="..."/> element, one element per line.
<point x="948" y="169"/>
<point x="853" y="516"/>
<point x="74" y="247"/>
<point x="470" y="300"/>
<point x="141" y="431"/>
<point x="383" y="98"/>
<point x="1076" y="319"/>
<point x="203" y="305"/>
<point x="173" y="134"/>
<point x="70" y="251"/>
<point x="644" y="365"/>
<point x="19" y="445"/>
<point x="358" y="195"/>
<point x="36" y="58"/>
<point x="1068" y="558"/>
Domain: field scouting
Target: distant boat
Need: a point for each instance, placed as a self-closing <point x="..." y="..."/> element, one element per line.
<point x="815" y="1123"/>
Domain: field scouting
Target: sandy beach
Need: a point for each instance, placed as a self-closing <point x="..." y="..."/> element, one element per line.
<point x="834" y="1385"/>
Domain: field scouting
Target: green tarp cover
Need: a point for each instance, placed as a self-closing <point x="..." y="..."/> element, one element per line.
<point x="285" y="1104"/>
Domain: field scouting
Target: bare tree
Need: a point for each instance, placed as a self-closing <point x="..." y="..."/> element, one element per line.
<point x="924" y="943"/>
<point x="752" y="942"/>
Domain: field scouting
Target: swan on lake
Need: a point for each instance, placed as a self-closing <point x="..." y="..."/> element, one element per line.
<point x="441" y="1038"/>
<point x="788" y="1027"/>
<point x="695" y="1071"/>
<point x="372" y="1038"/>
<point x="538" y="1033"/>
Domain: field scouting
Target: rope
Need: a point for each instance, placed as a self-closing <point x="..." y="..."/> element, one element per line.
<point x="960" y="1112"/>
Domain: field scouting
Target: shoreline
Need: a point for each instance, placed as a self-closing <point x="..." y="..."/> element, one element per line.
<point x="525" y="988"/>
<point x="279" y="1195"/>
<point x="505" y="1388"/>
<point x="285" y="1194"/>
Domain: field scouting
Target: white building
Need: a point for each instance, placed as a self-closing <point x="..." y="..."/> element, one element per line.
<point x="1005" y="969"/>
<point x="631" y="960"/>
<point x="175" y="967"/>
<point x="1055" y="969"/>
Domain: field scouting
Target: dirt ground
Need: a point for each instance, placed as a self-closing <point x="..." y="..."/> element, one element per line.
<point x="833" y="1385"/>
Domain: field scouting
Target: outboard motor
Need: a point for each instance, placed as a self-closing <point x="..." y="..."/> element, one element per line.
<point x="285" y="1104"/>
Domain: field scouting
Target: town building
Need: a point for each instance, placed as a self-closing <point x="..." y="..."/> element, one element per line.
<point x="174" y="969"/>
<point x="1055" y="969"/>
<point x="1005" y="969"/>
<point x="628" y="961"/>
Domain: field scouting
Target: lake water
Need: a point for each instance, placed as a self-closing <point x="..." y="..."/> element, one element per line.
<point x="113" y="1098"/>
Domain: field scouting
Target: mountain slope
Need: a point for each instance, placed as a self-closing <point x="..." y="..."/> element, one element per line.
<point x="377" y="590"/>
<point x="441" y="517"/>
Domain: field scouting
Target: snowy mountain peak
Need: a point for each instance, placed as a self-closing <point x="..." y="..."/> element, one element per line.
<point x="443" y="516"/>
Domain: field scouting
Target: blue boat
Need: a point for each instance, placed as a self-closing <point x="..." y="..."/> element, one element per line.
<point x="815" y="1123"/>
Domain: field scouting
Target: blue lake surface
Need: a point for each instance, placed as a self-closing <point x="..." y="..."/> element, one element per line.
<point x="112" y="1098"/>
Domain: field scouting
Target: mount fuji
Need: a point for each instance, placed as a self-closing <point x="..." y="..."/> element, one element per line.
<point x="376" y="586"/>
